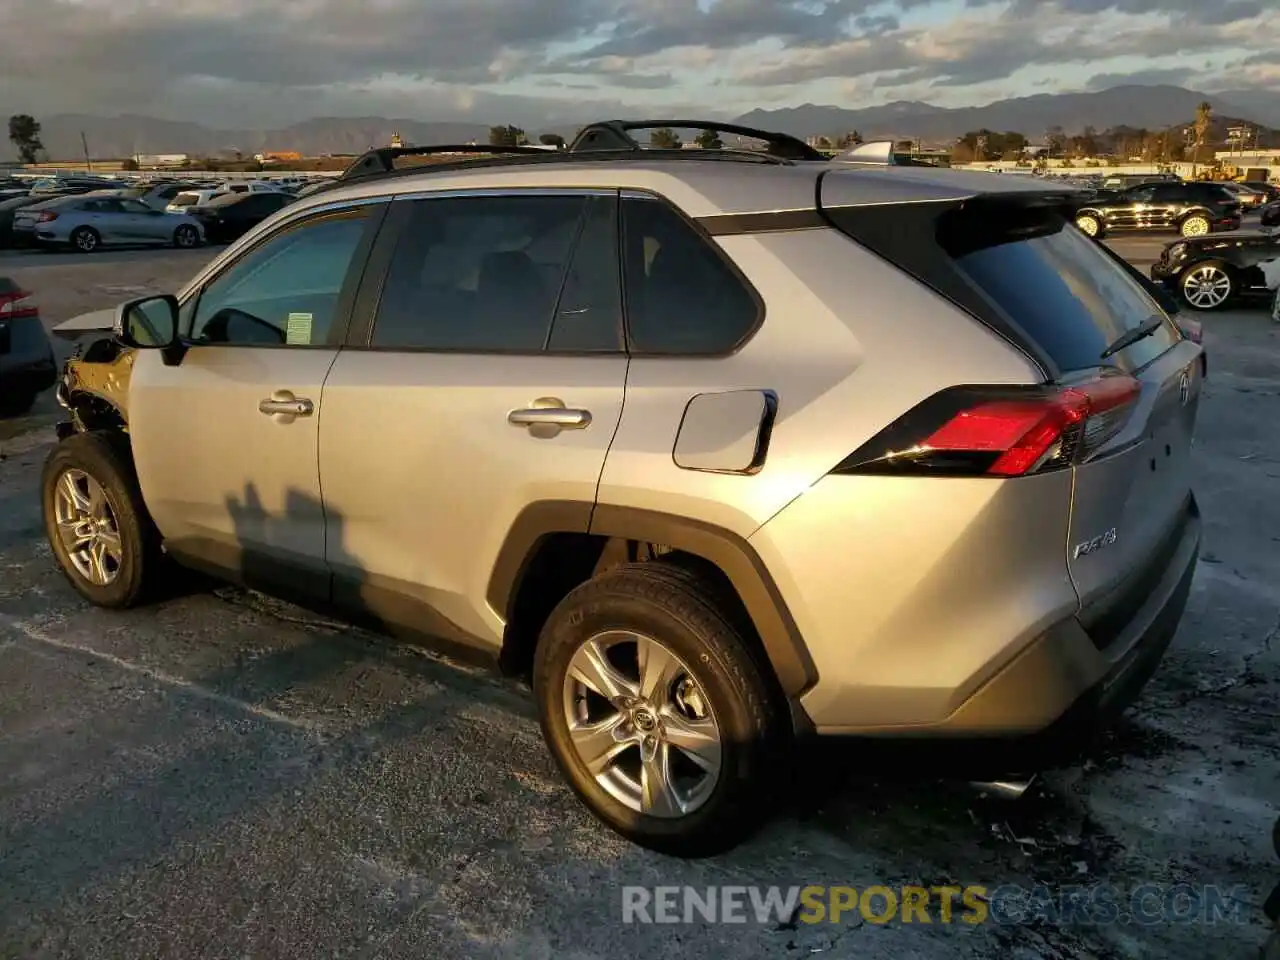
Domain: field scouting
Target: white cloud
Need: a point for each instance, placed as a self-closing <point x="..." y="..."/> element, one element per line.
<point x="248" y="61"/>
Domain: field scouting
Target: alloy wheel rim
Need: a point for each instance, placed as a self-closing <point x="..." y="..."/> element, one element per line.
<point x="1195" y="227"/>
<point x="86" y="241"/>
<point x="87" y="528"/>
<point x="1206" y="287"/>
<point x="186" y="237"/>
<point x="642" y="725"/>
<point x="1088" y="225"/>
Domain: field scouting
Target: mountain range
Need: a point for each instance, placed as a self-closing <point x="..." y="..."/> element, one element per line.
<point x="1153" y="107"/>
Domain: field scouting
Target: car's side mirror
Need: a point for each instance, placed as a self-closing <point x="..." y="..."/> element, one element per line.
<point x="151" y="323"/>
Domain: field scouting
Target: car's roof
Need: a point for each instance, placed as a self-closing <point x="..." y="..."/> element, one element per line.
<point x="700" y="188"/>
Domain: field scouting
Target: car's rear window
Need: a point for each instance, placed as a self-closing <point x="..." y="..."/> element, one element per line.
<point x="1014" y="260"/>
<point x="186" y="200"/>
<point x="1056" y="284"/>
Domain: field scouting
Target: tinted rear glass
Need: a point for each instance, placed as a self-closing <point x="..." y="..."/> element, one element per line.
<point x="1020" y="267"/>
<point x="1054" y="282"/>
<point x="186" y="199"/>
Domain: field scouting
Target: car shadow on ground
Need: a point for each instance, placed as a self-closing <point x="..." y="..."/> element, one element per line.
<point x="875" y="798"/>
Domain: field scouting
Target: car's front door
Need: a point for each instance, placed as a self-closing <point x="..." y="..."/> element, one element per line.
<point x="489" y="376"/>
<point x="226" y="440"/>
<point x="142" y="224"/>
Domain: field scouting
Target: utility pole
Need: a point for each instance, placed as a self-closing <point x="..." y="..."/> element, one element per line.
<point x="84" y="143"/>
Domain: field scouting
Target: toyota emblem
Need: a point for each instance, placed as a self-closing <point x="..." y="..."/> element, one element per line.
<point x="1184" y="388"/>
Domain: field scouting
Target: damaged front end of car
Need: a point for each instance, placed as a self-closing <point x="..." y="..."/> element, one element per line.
<point x="94" y="385"/>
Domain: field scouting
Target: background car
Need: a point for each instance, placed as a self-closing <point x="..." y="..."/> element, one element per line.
<point x="1209" y="272"/>
<point x="7" y="210"/>
<point x="94" y="220"/>
<point x="1250" y="199"/>
<point x="1271" y="214"/>
<point x="157" y="196"/>
<point x="1270" y="191"/>
<point x="230" y="216"/>
<point x="191" y="197"/>
<point x="27" y="364"/>
<point x="1192" y="209"/>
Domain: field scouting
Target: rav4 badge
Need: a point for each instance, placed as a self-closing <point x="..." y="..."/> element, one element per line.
<point x="1094" y="545"/>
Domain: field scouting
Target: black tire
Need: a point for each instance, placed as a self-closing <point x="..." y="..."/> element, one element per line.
<point x="678" y="605"/>
<point x="106" y="458"/>
<point x="186" y="237"/>
<point x="16" y="404"/>
<point x="1207" y="270"/>
<point x="85" y="239"/>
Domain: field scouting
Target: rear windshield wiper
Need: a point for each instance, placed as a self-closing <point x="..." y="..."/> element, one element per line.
<point x="1133" y="335"/>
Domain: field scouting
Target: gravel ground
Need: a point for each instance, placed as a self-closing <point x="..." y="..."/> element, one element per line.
<point x="224" y="776"/>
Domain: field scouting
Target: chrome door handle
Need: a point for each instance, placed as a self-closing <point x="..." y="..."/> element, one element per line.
<point x="547" y="416"/>
<point x="283" y="403"/>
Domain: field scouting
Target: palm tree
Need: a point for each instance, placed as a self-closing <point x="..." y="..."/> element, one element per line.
<point x="1204" y="117"/>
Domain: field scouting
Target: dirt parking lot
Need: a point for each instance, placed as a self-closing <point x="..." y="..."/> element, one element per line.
<point x="224" y="776"/>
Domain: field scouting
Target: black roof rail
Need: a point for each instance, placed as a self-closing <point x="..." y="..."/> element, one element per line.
<point x="383" y="159"/>
<point x="615" y="135"/>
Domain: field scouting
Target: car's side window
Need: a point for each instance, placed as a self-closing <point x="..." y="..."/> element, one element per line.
<point x="1167" y="193"/>
<point x="1141" y="194"/>
<point x="588" y="316"/>
<point x="285" y="290"/>
<point x="480" y="273"/>
<point x="682" y="296"/>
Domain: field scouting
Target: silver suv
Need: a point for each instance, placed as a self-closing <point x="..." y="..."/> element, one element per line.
<point x="723" y="447"/>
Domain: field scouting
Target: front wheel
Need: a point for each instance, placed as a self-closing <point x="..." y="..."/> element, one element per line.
<point x="1089" y="225"/>
<point x="96" y="522"/>
<point x="655" y="710"/>
<point x="1195" y="226"/>
<point x="1207" y="286"/>
<point x="186" y="237"/>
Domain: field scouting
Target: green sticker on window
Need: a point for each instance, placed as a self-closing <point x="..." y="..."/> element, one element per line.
<point x="298" y="329"/>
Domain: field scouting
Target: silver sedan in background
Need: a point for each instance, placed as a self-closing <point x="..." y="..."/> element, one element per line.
<point x="92" y="220"/>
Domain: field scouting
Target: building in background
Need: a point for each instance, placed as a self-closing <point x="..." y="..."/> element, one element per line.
<point x="154" y="160"/>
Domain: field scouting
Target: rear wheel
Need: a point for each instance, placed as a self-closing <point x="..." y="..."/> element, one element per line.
<point x="1208" y="285"/>
<point x="186" y="236"/>
<point x="655" y="710"/>
<point x="96" y="523"/>
<point x="85" y="239"/>
<point x="1089" y="224"/>
<point x="1195" y="226"/>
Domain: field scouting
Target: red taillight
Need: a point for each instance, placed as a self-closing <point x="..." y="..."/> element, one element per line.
<point x="17" y="304"/>
<point x="46" y="216"/>
<point x="1001" y="431"/>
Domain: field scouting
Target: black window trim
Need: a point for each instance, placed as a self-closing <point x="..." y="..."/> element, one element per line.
<point x="708" y="238"/>
<point x="368" y="298"/>
<point x="346" y="295"/>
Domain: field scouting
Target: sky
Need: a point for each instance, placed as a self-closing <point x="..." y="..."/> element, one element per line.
<point x="247" y="63"/>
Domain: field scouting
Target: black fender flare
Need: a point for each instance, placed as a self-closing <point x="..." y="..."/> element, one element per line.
<point x="730" y="553"/>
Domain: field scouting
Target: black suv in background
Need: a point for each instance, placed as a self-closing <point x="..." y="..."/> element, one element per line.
<point x="1192" y="209"/>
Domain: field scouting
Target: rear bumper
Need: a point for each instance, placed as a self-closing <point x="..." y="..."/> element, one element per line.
<point x="1066" y="684"/>
<point x="27" y="377"/>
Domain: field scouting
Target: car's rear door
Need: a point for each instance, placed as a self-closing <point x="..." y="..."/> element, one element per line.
<point x="487" y="378"/>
